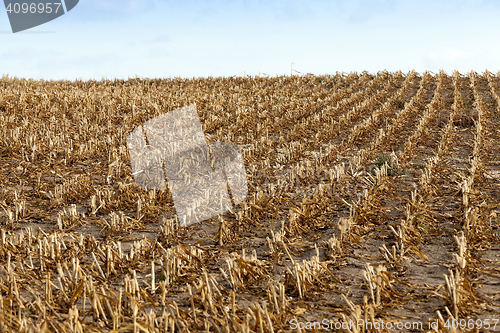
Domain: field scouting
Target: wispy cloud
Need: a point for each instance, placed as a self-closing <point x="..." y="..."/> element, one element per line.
<point x="163" y="38"/>
<point x="122" y="6"/>
<point x="364" y="11"/>
<point x="57" y="64"/>
<point x="293" y="10"/>
<point x="453" y="58"/>
<point x="160" y="53"/>
<point x="109" y="10"/>
<point x="452" y="54"/>
<point x="18" y="53"/>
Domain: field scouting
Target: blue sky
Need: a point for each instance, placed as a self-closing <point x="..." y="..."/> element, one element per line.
<point x="167" y="38"/>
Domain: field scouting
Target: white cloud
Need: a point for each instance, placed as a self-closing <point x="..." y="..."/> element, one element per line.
<point x="108" y="10"/>
<point x="462" y="60"/>
<point x="18" y="53"/>
<point x="163" y="38"/>
<point x="294" y="10"/>
<point x="122" y="6"/>
<point x="160" y="53"/>
<point x="450" y="54"/>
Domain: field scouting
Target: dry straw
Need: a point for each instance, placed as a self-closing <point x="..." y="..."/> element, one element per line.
<point x="354" y="180"/>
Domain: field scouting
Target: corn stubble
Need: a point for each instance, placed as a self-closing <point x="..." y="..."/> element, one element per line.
<point x="371" y="197"/>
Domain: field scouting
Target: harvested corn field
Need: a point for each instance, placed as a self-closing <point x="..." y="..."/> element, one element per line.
<point x="372" y="199"/>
